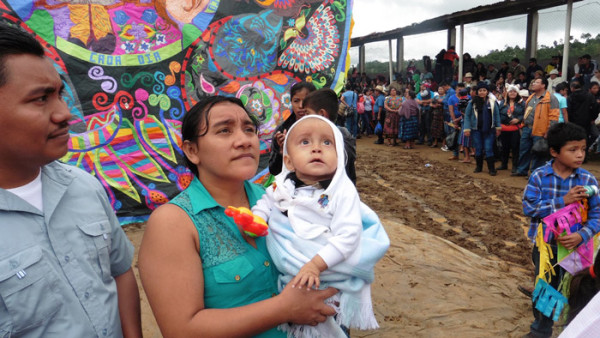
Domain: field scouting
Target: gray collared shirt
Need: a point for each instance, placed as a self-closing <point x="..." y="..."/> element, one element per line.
<point x="57" y="267"/>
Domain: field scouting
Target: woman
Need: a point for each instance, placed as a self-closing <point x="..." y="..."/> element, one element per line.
<point x="297" y="94"/>
<point x="392" y="106"/>
<point x="408" y="129"/>
<point x="368" y="101"/>
<point x="511" y="115"/>
<point x="482" y="124"/>
<point x="203" y="276"/>
<point x="437" y="120"/>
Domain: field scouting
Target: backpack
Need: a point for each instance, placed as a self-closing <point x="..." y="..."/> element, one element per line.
<point x="360" y="107"/>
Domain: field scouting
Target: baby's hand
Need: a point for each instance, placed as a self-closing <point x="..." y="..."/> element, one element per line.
<point x="309" y="275"/>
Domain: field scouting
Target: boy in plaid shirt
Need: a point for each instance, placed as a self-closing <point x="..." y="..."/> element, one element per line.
<point x="553" y="186"/>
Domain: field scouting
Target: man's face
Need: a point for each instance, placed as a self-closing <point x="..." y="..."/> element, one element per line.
<point x="537" y="85"/>
<point x="33" y="116"/>
<point x="594" y="90"/>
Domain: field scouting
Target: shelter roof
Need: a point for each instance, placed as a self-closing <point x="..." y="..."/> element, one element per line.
<point x="477" y="14"/>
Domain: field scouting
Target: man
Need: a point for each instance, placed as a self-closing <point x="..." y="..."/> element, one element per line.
<point x="533" y="67"/>
<point x="516" y="68"/>
<point x="540" y="113"/>
<point x="65" y="262"/>
<point x="584" y="70"/>
<point x="581" y="106"/>
<point x="553" y="80"/>
<point x="492" y="73"/>
<point x="379" y="111"/>
<point x="350" y="99"/>
<point x="468" y="81"/>
<point x="554" y="64"/>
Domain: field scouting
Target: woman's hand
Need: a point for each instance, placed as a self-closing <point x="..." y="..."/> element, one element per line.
<point x="306" y="307"/>
<point x="280" y="138"/>
<point x="467" y="133"/>
<point x="514" y="121"/>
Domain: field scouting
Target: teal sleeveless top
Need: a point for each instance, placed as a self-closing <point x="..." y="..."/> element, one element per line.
<point x="235" y="273"/>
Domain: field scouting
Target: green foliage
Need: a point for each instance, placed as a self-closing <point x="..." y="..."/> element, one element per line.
<point x="587" y="44"/>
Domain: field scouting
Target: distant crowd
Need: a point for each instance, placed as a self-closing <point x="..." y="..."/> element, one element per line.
<point x="494" y="114"/>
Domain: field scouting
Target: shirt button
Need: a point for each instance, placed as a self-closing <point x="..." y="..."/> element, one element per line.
<point x="86" y="295"/>
<point x="267" y="263"/>
<point x="104" y="332"/>
<point x="67" y="258"/>
<point x="237" y="277"/>
<point x="13" y="264"/>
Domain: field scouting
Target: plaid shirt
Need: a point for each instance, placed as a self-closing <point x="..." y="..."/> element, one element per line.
<point x="544" y="195"/>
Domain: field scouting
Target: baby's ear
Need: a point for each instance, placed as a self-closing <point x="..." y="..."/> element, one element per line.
<point x="287" y="161"/>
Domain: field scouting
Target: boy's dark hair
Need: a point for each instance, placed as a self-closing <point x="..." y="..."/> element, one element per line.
<point x="191" y="125"/>
<point x="561" y="86"/>
<point x="515" y="60"/>
<point x="14" y="41"/>
<point x="583" y="288"/>
<point x="298" y="86"/>
<point x="412" y="94"/>
<point x="561" y="133"/>
<point x="576" y="85"/>
<point x="323" y="98"/>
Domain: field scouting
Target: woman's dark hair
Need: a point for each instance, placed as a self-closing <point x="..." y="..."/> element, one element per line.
<point x="517" y="99"/>
<point x="198" y="115"/>
<point x="561" y="133"/>
<point x="14" y="41"/>
<point x="298" y="86"/>
<point x="583" y="288"/>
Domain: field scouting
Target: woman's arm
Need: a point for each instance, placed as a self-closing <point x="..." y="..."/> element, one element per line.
<point x="172" y="276"/>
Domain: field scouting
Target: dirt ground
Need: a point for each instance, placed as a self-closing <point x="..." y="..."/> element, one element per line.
<point x="458" y="246"/>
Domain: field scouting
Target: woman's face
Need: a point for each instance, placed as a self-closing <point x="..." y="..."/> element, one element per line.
<point x="482" y="92"/>
<point x="230" y="148"/>
<point x="441" y="91"/>
<point x="297" y="100"/>
<point x="512" y="94"/>
<point x="393" y="92"/>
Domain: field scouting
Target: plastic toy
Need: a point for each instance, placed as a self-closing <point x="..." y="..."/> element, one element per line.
<point x="252" y="225"/>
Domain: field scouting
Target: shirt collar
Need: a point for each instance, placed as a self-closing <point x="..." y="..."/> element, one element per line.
<point x="298" y="183"/>
<point x="201" y="198"/>
<point x="548" y="170"/>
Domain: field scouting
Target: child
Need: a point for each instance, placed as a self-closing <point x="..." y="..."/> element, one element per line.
<point x="321" y="102"/>
<point x="316" y="234"/>
<point x="553" y="186"/>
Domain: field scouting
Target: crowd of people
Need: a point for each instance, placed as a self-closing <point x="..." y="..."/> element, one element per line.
<point x="493" y="115"/>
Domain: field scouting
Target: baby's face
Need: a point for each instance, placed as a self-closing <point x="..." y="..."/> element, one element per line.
<point x="311" y="151"/>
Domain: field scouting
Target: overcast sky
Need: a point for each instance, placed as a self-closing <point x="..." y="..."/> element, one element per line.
<point x="480" y="38"/>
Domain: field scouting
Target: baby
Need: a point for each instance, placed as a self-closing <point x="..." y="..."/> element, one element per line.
<point x="320" y="234"/>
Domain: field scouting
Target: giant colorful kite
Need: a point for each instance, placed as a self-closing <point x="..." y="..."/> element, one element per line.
<point x="132" y="68"/>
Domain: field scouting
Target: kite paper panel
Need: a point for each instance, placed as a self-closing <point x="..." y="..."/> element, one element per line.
<point x="132" y="68"/>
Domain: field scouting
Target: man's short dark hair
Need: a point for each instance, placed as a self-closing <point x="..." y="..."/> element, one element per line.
<point x="533" y="60"/>
<point x="460" y="85"/>
<point x="515" y="60"/>
<point x="586" y="56"/>
<point x="14" y="41"/>
<point x="544" y="81"/>
<point x="561" y="133"/>
<point x="323" y="98"/>
<point x="575" y="85"/>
